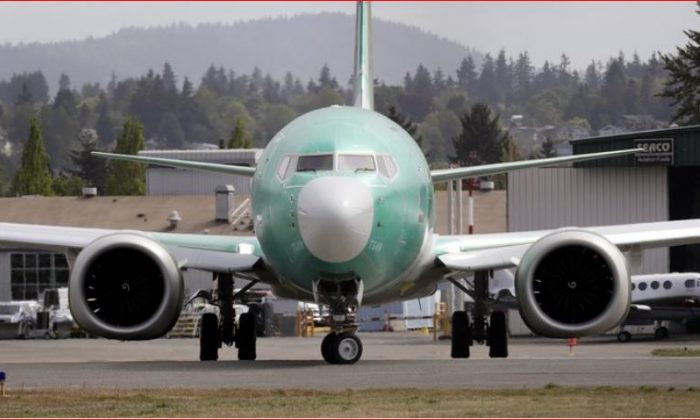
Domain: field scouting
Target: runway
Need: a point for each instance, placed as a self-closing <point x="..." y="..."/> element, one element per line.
<point x="390" y="360"/>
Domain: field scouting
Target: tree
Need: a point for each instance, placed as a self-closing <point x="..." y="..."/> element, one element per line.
<point x="34" y="175"/>
<point x="466" y="75"/>
<point x="482" y="140"/>
<point x="90" y="168"/>
<point x="68" y="186"/>
<point x="409" y="126"/>
<point x="127" y="178"/>
<point x="546" y="150"/>
<point x="683" y="83"/>
<point x="239" y="138"/>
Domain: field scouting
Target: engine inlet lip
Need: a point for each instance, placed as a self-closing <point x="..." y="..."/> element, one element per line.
<point x="172" y="287"/>
<point x="607" y="319"/>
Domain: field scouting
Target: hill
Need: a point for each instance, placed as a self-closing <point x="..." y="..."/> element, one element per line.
<point x="300" y="44"/>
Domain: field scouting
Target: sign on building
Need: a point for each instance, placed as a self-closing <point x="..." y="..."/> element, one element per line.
<point x="656" y="152"/>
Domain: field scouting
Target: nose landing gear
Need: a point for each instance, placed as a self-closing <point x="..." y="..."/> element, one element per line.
<point x="341" y="349"/>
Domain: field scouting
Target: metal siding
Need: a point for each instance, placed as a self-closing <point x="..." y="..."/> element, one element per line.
<point x="167" y="181"/>
<point x="171" y="181"/>
<point x="5" y="270"/>
<point x="557" y="197"/>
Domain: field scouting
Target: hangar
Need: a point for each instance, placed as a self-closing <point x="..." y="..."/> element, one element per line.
<point x="662" y="183"/>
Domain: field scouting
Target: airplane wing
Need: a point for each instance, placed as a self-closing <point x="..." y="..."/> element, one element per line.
<point x="216" y="253"/>
<point x="504" y="250"/>
<point x="440" y="175"/>
<point x="185" y="164"/>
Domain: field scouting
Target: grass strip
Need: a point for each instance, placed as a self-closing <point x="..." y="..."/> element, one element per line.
<point x="548" y="401"/>
<point x="676" y="352"/>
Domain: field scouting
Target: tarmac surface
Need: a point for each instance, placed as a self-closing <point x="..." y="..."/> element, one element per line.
<point x="390" y="360"/>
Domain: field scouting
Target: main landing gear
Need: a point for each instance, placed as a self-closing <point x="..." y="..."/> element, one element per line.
<point x="215" y="331"/>
<point x="493" y="333"/>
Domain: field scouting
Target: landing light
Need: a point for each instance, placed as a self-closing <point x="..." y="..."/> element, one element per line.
<point x="246" y="249"/>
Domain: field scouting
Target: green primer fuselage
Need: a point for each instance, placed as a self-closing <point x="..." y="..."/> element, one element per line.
<point x="403" y="206"/>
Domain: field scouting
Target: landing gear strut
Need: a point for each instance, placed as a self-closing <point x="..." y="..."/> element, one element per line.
<point x="485" y="329"/>
<point x="341" y="346"/>
<point x="215" y="331"/>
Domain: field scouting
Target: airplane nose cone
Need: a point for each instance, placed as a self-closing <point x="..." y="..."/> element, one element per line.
<point x="335" y="217"/>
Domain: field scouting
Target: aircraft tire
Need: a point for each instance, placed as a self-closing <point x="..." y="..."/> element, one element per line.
<point x="624" y="336"/>
<point x="661" y="333"/>
<point x="498" y="335"/>
<point x="461" y="335"/>
<point x="346" y="349"/>
<point x="326" y="351"/>
<point x="209" y="337"/>
<point x="246" y="337"/>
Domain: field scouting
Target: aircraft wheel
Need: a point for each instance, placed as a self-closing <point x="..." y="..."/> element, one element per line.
<point x="498" y="335"/>
<point x="341" y="349"/>
<point x="461" y="335"/>
<point x="624" y="336"/>
<point x="209" y="339"/>
<point x="326" y="345"/>
<point x="661" y="333"/>
<point x="246" y="337"/>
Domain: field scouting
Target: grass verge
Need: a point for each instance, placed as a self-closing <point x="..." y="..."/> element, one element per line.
<point x="676" y="352"/>
<point x="549" y="401"/>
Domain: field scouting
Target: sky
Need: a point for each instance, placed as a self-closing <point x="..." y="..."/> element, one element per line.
<point x="584" y="30"/>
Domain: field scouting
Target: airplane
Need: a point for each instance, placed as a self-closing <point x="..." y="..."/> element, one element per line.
<point x="662" y="297"/>
<point x="655" y="298"/>
<point x="344" y="215"/>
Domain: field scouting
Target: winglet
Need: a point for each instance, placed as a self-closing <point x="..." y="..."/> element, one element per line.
<point x="362" y="78"/>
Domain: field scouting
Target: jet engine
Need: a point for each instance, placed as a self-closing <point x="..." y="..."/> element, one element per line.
<point x="572" y="283"/>
<point x="125" y="286"/>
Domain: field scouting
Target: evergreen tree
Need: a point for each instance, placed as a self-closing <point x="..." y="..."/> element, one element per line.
<point x="25" y="96"/>
<point x="239" y="138"/>
<point x="683" y="83"/>
<point x="127" y="178"/>
<point x="87" y="167"/>
<point x="546" y="150"/>
<point x="482" y="140"/>
<point x="409" y="126"/>
<point x="466" y="75"/>
<point x="34" y="175"/>
<point x="522" y="77"/>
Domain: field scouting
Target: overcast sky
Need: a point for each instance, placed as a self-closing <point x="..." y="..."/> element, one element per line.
<point x="584" y="30"/>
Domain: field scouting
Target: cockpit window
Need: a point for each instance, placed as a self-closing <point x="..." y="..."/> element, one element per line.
<point x="282" y="168"/>
<point x="387" y="166"/>
<point x="315" y="163"/>
<point x="690" y="283"/>
<point x="356" y="163"/>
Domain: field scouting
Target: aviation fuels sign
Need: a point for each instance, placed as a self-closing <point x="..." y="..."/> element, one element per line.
<point x="656" y="152"/>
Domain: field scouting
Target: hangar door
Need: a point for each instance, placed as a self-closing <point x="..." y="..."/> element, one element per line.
<point x="684" y="203"/>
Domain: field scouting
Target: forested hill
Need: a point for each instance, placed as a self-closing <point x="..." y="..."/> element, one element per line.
<point x="300" y="45"/>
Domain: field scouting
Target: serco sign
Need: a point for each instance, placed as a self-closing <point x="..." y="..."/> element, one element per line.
<point x="656" y="152"/>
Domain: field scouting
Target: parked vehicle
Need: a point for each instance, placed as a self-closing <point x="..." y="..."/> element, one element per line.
<point x="18" y="319"/>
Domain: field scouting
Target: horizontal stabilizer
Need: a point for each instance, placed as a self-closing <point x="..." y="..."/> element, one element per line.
<point x="184" y="164"/>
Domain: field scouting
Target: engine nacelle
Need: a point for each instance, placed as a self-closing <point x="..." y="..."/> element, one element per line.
<point x="125" y="286"/>
<point x="572" y="283"/>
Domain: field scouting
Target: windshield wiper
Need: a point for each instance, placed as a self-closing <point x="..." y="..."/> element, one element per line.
<point x="364" y="170"/>
<point x="306" y="170"/>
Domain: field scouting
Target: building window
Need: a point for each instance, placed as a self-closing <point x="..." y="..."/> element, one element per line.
<point x="32" y="273"/>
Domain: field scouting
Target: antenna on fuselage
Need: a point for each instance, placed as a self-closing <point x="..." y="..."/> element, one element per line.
<point x="364" y="82"/>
